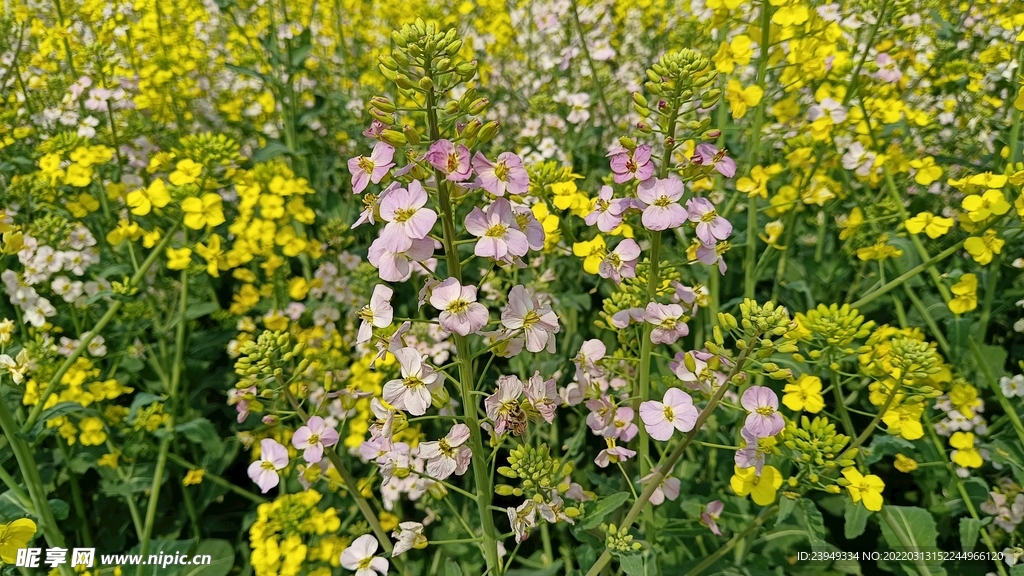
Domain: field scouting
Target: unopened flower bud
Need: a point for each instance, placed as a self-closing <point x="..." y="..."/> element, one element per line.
<point x="488" y="131"/>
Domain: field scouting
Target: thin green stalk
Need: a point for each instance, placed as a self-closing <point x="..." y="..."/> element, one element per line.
<point x="913" y="272"/>
<point x="963" y="492"/>
<point x="750" y="256"/>
<point x="593" y="67"/>
<point x="172" y="394"/>
<point x="255" y="498"/>
<point x="736" y="539"/>
<point x="34" y="484"/>
<point x="878" y="417"/>
<point x="51" y="387"/>
<point x="1015" y="121"/>
<point x="15" y="489"/>
<point x="470" y="403"/>
<point x="669" y="463"/>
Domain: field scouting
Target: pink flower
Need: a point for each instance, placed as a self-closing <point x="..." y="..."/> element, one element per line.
<point x="543" y="396"/>
<point x="395" y="266"/>
<point x="707" y="155"/>
<point x="751" y="454"/>
<point x="538" y="323"/>
<point x="371" y="205"/>
<point x="359" y="556"/>
<point x="624" y="318"/>
<point x="522" y="519"/>
<point x="888" y="69"/>
<point x="668" y="489"/>
<point x="613" y="454"/>
<point x="377" y="314"/>
<point x="608" y="211"/>
<point x="506" y="175"/>
<point x="627" y="166"/>
<point x="448" y="455"/>
<point x="710" y="226"/>
<point x="412" y="392"/>
<point x="375" y="129"/>
<point x="503" y="406"/>
<point x="408" y="220"/>
<point x="662" y="199"/>
<point x="667" y="319"/>
<point x="273" y="457"/>
<point x="365" y="170"/>
<point x="712" y="255"/>
<point x="700" y="377"/>
<point x="498" y="232"/>
<point x="710" y="514"/>
<point x="384" y="419"/>
<point x="763" y="419"/>
<point x="530" y="226"/>
<point x="591" y="352"/>
<point x="451" y="160"/>
<point x="460" y="312"/>
<point x="623" y="428"/>
<point x="313" y="438"/>
<point x="675" y="412"/>
<point x="602" y="414"/>
<point x="621" y="262"/>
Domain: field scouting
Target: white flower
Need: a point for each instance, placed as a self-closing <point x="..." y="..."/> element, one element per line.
<point x="359" y="556"/>
<point x="448" y="454"/>
<point x="412" y="392"/>
<point x="408" y="536"/>
<point x="37" y="313"/>
<point x="1012" y="387"/>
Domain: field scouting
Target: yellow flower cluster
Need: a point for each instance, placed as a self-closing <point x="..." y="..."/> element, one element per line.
<point x="291" y="534"/>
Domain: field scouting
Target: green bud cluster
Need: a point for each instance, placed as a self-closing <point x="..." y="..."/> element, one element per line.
<point x="619" y="539"/>
<point x="632" y="293"/>
<point x="833" y="326"/>
<point x="262" y="359"/>
<point x="818" y="443"/>
<point x="677" y="79"/>
<point x="214" y="151"/>
<point x="537" y="471"/>
<point x="916" y="359"/>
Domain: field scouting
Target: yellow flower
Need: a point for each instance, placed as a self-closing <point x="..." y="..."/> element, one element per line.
<point x="851" y="223"/>
<point x="214" y="256"/>
<point x="905" y="420"/>
<point x="932" y="225"/>
<point x="108" y="460"/>
<point x="981" y="206"/>
<point x="388" y="521"/>
<point x="187" y="172"/>
<point x="867" y="488"/>
<point x="92" y="433"/>
<point x="965" y="455"/>
<point x="761" y="488"/>
<point x="142" y="201"/>
<point x="78" y="175"/>
<point x="83" y="205"/>
<point x="757" y="183"/>
<point x="193" y="477"/>
<point x="964" y="398"/>
<point x="550" y="223"/>
<point x="804" y="394"/>
<point x="965" y="293"/>
<point x="772" y="231"/>
<point x="983" y="248"/>
<point x="740" y="98"/>
<point x="125" y="231"/>
<point x="178" y="258"/>
<point x="790" y="14"/>
<point x="879" y="251"/>
<point x="298" y="288"/>
<point x="927" y="171"/>
<point x="905" y="464"/>
<point x="592" y="252"/>
<point x="203" y="212"/>
<point x="14" y="536"/>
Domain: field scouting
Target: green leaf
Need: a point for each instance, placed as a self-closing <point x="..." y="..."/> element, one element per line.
<point x="994" y="359"/>
<point x="201" y="431"/>
<point x="970" y="528"/>
<point x="786" y="507"/>
<point x="200" y="309"/>
<point x="855" y="519"/>
<point x="11" y="509"/>
<point x="885" y="445"/>
<point x="58" y="410"/>
<point x="60" y="509"/>
<point x="585" y="557"/>
<point x="959" y="332"/>
<point x="604" y="507"/>
<point x="908" y="528"/>
<point x="1017" y="570"/>
<point x="452" y="568"/>
<point x="632" y="564"/>
<point x="169" y="548"/>
<point x="222" y="558"/>
<point x="812" y="520"/>
<point x="272" y="150"/>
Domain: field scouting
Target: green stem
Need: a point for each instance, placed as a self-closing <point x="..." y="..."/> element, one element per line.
<point x="51" y="387"/>
<point x="470" y="403"/>
<point x="15" y="489"/>
<point x="255" y="498"/>
<point x="593" y="68"/>
<point x="668" y="463"/>
<point x="913" y="272"/>
<point x="34" y="484"/>
<point x="905" y="541"/>
<point x="750" y="256"/>
<point x="736" y="539"/>
<point x="172" y="394"/>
